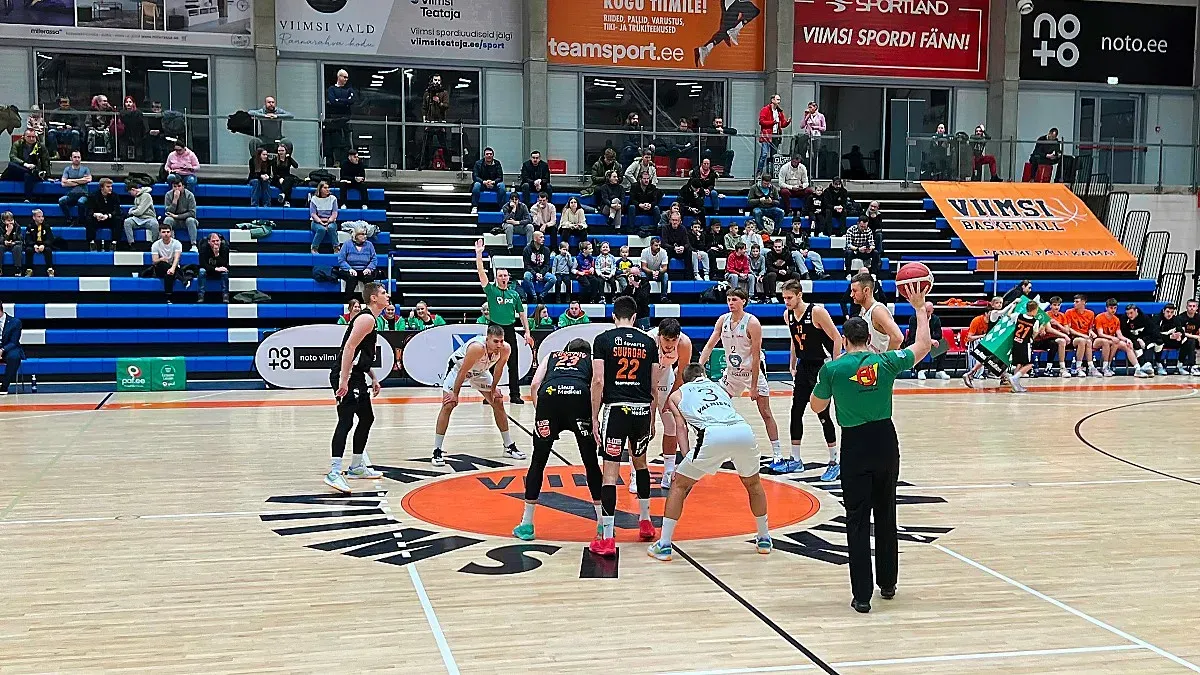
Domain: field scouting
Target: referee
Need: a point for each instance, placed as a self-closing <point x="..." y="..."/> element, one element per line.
<point x="861" y="383"/>
<point x="504" y="307"/>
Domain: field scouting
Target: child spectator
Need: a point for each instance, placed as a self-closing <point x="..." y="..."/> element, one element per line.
<point x="737" y="268"/>
<point x="562" y="266"/>
<point x="39" y="238"/>
<point x="606" y="272"/>
<point x="585" y="272"/>
<point x="625" y="267"/>
<point x="758" y="272"/>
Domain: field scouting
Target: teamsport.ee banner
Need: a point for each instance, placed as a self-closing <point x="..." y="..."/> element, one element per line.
<point x="994" y="351"/>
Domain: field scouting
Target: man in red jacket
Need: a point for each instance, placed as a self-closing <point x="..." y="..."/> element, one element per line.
<point x="771" y="123"/>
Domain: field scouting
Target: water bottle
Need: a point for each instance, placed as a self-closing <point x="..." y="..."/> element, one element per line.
<point x="33" y="383"/>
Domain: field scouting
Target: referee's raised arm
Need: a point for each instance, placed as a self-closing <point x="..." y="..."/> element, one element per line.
<point x="920" y="347"/>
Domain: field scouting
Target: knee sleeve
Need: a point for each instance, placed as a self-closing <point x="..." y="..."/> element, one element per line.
<point x="643" y="483"/>
<point x="537" y="467"/>
<point x="827" y="426"/>
<point x="797" y="421"/>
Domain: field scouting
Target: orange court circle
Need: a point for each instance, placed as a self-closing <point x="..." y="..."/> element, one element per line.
<point x="491" y="502"/>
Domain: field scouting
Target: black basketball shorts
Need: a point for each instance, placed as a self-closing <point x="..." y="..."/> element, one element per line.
<point x="624" y="425"/>
<point x="562" y="408"/>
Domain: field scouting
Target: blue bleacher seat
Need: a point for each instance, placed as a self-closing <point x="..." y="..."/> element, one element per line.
<point x="279" y="236"/>
<point x="203" y="213"/>
<point x="108" y="365"/>
<point x="152" y="285"/>
<point x="203" y="190"/>
<point x="128" y="259"/>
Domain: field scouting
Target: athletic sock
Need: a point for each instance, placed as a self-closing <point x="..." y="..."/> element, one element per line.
<point x="668" y="529"/>
<point x="437" y="441"/>
<point x="527" y="518"/>
<point x="833" y="454"/>
<point x="608" y="501"/>
<point x="599" y="512"/>
<point x="356" y="461"/>
<point x="669" y="463"/>
<point x="759" y="521"/>
<point x="335" y="466"/>
<point x="644" y="507"/>
<point x="776" y="448"/>
<point x="608" y="526"/>
<point x="507" y="438"/>
<point x="796" y="452"/>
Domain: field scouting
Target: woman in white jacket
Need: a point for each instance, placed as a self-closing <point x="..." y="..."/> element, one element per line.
<point x="572" y="224"/>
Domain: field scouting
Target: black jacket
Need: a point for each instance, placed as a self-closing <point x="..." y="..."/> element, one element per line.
<point x="779" y="262"/>
<point x="110" y="205"/>
<point x="608" y="192"/>
<point x="530" y="173"/>
<point x="211" y="262"/>
<point x="282" y="169"/>
<point x="256" y="171"/>
<point x="44" y="236"/>
<point x="648" y="194"/>
<point x="935" y="330"/>
<point x="834" y="196"/>
<point x="640" y="295"/>
<point x="484" y="171"/>
<point x="537" y="261"/>
<point x="699" y="242"/>
<point x="691" y="203"/>
<point x="672" y="237"/>
<point x="794" y="242"/>
<point x="350" y="170"/>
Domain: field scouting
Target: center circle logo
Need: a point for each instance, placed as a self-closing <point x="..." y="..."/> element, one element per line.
<point x="491" y="502"/>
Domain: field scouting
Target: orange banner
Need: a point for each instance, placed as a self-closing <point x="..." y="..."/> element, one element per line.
<point x="1032" y="226"/>
<point x="685" y="34"/>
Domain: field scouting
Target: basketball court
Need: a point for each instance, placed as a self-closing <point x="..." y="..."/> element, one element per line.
<point x="1052" y="532"/>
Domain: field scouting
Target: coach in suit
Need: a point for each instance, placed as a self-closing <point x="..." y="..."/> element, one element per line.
<point x="11" y="352"/>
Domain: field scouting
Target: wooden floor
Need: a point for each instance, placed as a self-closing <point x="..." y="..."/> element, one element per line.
<point x="191" y="533"/>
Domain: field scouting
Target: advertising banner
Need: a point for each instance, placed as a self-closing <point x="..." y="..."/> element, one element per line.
<point x="474" y="30"/>
<point x="427" y="354"/>
<point x="686" y="34"/>
<point x="1073" y="41"/>
<point x="1032" y="226"/>
<point x="177" y="24"/>
<point x="892" y="38"/>
<point x="557" y="341"/>
<point x="301" y="357"/>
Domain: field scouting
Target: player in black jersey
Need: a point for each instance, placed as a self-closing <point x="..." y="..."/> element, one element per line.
<point x="349" y="382"/>
<point x="813" y="338"/>
<point x="1022" y="345"/>
<point x="1171" y="333"/>
<point x="625" y="376"/>
<point x="562" y="401"/>
<point x="1189" y="329"/>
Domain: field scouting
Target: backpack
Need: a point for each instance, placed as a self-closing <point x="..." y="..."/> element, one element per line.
<point x="321" y="176"/>
<point x="251" y="297"/>
<point x="241" y="122"/>
<point x="323" y="275"/>
<point x="139" y="179"/>
<point x="715" y="295"/>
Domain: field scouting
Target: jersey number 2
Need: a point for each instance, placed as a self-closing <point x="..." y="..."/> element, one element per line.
<point x="627" y="369"/>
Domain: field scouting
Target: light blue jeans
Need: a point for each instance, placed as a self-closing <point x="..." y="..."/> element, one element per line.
<point x="817" y="265"/>
<point x="534" y="288"/>
<point x="320" y="232"/>
<point x="260" y="192"/>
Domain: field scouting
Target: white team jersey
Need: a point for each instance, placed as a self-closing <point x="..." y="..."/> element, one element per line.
<point x="879" y="340"/>
<point x="735" y="339"/>
<point x="668" y="361"/>
<point x="482" y="365"/>
<point x="705" y="404"/>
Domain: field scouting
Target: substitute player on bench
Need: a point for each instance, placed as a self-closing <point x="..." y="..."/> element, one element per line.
<point x="813" y="338"/>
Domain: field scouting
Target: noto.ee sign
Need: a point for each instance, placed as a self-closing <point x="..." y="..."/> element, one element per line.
<point x="1066" y="28"/>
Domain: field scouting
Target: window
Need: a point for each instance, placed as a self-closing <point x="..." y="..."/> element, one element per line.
<point x="179" y="84"/>
<point x="611" y="103"/>
<point x="459" y="145"/>
<point x="381" y="99"/>
<point x="79" y="77"/>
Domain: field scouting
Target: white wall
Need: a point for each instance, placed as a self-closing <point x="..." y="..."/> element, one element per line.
<point x="970" y="108"/>
<point x="1177" y="214"/>
<point x="504" y="94"/>
<point x="16" y="85"/>
<point x="301" y="92"/>
<point x="802" y="93"/>
<point x="746" y="98"/>
<point x="232" y="84"/>
<point x="1037" y="111"/>
<point x="1169" y="121"/>
<point x="565" y="110"/>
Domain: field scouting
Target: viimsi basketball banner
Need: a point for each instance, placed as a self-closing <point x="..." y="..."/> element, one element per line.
<point x="1032" y="226"/>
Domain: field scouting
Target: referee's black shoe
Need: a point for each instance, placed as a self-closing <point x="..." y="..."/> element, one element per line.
<point x="861" y="607"/>
<point x="887" y="593"/>
<point x="517" y="400"/>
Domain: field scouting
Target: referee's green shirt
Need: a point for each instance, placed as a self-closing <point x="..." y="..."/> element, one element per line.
<point x="503" y="305"/>
<point x="860" y="384"/>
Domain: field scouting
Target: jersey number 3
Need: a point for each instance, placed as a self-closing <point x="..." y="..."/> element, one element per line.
<point x="627" y="369"/>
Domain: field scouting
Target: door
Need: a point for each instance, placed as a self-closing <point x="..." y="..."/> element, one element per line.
<point x="1109" y="128"/>
<point x="905" y="116"/>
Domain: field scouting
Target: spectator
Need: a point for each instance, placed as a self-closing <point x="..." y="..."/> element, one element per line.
<point x="677" y="144"/>
<point x="157" y="144"/>
<point x="259" y="178"/>
<point x="794" y="185"/>
<point x="938" y="157"/>
<point x="937" y="355"/>
<point x="698" y="241"/>
<point x="716" y="146"/>
<point x="779" y="269"/>
<point x="354" y="180"/>
<point x="75" y="177"/>
<point x="1176" y="335"/>
<point x="732" y="238"/>
<point x="1047" y="151"/>
<point x="980" y="158"/>
<point x="1143" y="333"/>
<point x="103" y="210"/>
<point x="707" y="175"/>
<point x="353" y="307"/>
<point x="130" y="127"/>
<point x="634" y="139"/>
<point x="11" y="240"/>
<point x="606" y="272"/>
<point x="835" y="202"/>
<point x="665" y="220"/>
<point x="1053" y="337"/>
<point x="764" y="201"/>
<point x="485" y="315"/>
<point x="39" y="238"/>
<point x="214" y="264"/>
<point x="813" y="123"/>
<point x="141" y="214"/>
<point x="574" y="316"/>
<point x="340" y="97"/>
<point x="772" y="120"/>
<point x="64" y="128"/>
<point x="538" y="278"/>
<point x="165" y="254"/>
<point x="715" y="237"/>
<point x="11" y="352"/>
<point x="600" y="170"/>
<point x="435" y="103"/>
<point x="654" y="266"/>
<point x="182" y="164"/>
<point x="737" y="268"/>
<point x="796" y="243"/>
<point x="282" y="177"/>
<point x="544" y="214"/>
<point x="100" y="127"/>
<point x="610" y="197"/>
<point x="516" y="217"/>
<point x="420" y="318"/>
<point x="856" y="164"/>
<point x="541" y="319"/>
<point x="28" y="163"/>
<point x="980" y="326"/>
<point x="180" y="205"/>
<point x="488" y="175"/>
<point x="677" y="243"/>
<point x="758" y="273"/>
<point x="691" y="201"/>
<point x="322" y="214"/>
<point x="356" y="261"/>
<point x="562" y="268"/>
<point x="638" y="288"/>
<point x="585" y="272"/>
<point x="1023" y="287"/>
<point x="751" y="236"/>
<point x="268" y="122"/>
<point x="625" y="267"/>
<point x="572" y="225"/>
<point x="388" y="319"/>
<point x="634" y="171"/>
<point x="860" y="245"/>
<point x="644" y="200"/>
<point x="874" y="218"/>
<point x="535" y="176"/>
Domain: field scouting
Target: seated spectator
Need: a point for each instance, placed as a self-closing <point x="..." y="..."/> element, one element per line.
<point x="638" y="288"/>
<point x="544" y="215"/>
<point x="600" y="170"/>
<point x="322" y="214"/>
<point x="562" y="268"/>
<point x="1181" y="333"/>
<point x="733" y="238"/>
<point x="535" y="176"/>
<point x="103" y="210"/>
<point x="1081" y="323"/>
<point x="353" y="307"/>
<point x="625" y="267"/>
<point x="644" y="200"/>
<point x="157" y="144"/>
<point x="259" y="178"/>
<point x="610" y="198"/>
<point x="633" y="173"/>
<point x="715" y="237"/>
<point x="874" y="218"/>
<point x="11" y="240"/>
<point x="758" y="273"/>
<point x="716" y="145"/>
<point x="485" y="316"/>
<point x="796" y="243"/>
<point x="421" y="318"/>
<point x="678" y="244"/>
<point x="606" y="272"/>
<point x="39" y="238"/>
<point x="779" y="269"/>
<point x="165" y="254"/>
<point x="860" y="245"/>
<point x="282" y="177"/>
<point x="707" y="176"/>
<point x="538" y="278"/>
<point x="634" y="140"/>
<point x="130" y="127"/>
<point x="64" y="123"/>
<point x="764" y="202"/>
<point x="835" y="204"/>
<point x="751" y="236"/>
<point x="691" y="202"/>
<point x="180" y="205"/>
<point x="573" y="316"/>
<point x="1047" y="151"/>
<point x="75" y="177"/>
<point x="1112" y="340"/>
<point x="388" y="319"/>
<point x="937" y="157"/>
<point x="654" y="265"/>
<point x="28" y="163"/>
<point x="699" y="242"/>
<point x="516" y="218"/>
<point x="794" y="185"/>
<point x="214" y="264"/>
<point x="572" y="225"/>
<point x="353" y="181"/>
<point x="487" y="175"/>
<point x="356" y="261"/>
<point x="980" y="157"/>
<point x="11" y="352"/>
<point x="737" y="268"/>
<point x="141" y="214"/>
<point x="937" y="364"/>
<point x="182" y="164"/>
<point x="540" y="319"/>
<point x="585" y="272"/>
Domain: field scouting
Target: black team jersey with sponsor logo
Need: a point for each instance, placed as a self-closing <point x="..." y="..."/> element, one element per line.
<point x="570" y="370"/>
<point x="1189" y="324"/>
<point x="629" y="356"/>
<point x="810" y="340"/>
<point x="1024" y="331"/>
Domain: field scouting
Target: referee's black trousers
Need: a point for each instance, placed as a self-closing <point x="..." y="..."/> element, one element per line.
<point x="514" y="376"/>
<point x="870" y="469"/>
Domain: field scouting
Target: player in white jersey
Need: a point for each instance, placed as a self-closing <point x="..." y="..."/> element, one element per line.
<point x="478" y="361"/>
<point x="885" y="334"/>
<point x="740" y="334"/>
<point x="721" y="434"/>
<point x="674" y="352"/>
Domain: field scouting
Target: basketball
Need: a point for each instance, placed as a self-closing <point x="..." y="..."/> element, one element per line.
<point x="913" y="277"/>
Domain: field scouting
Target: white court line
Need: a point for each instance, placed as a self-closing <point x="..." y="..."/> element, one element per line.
<point x="980" y="656"/>
<point x="1022" y="484"/>
<point x="1065" y="607"/>
<point x="52" y="414"/>
<point x="173" y="516"/>
<point x="431" y="617"/>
